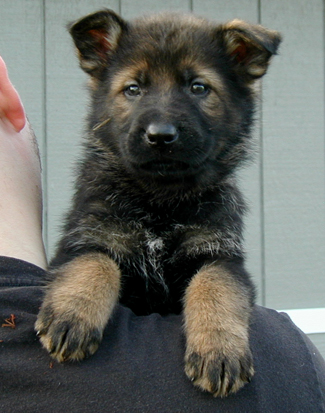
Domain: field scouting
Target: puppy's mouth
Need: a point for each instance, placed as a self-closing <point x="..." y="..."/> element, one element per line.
<point x="165" y="168"/>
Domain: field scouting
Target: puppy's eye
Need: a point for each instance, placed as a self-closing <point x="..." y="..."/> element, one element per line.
<point x="132" y="91"/>
<point x="199" y="89"/>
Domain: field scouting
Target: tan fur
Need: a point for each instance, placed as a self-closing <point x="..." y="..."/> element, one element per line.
<point x="216" y="324"/>
<point x="127" y="76"/>
<point x="86" y="290"/>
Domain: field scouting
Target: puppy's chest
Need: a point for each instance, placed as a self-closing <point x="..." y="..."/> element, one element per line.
<point x="162" y="249"/>
<point x="155" y="277"/>
<point x="156" y="253"/>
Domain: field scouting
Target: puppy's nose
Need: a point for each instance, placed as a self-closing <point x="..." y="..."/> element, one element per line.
<point x="161" y="134"/>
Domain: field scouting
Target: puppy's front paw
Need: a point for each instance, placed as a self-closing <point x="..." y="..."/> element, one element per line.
<point x="65" y="335"/>
<point x="217" y="312"/>
<point x="222" y="370"/>
<point x="77" y="306"/>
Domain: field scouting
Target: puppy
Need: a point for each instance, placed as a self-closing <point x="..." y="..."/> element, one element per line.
<point x="157" y="217"/>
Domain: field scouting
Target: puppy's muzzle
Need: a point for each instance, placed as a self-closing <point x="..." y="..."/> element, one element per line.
<point x="160" y="134"/>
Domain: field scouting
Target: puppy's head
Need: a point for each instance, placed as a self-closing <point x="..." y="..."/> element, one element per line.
<point x="172" y="94"/>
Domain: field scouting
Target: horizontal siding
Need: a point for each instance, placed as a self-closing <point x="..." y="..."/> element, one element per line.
<point x="131" y="8"/>
<point x="293" y="157"/>
<point x="319" y="341"/>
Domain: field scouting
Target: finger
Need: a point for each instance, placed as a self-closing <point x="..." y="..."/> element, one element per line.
<point x="11" y="106"/>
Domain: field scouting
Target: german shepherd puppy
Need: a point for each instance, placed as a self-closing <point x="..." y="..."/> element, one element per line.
<point x="156" y="221"/>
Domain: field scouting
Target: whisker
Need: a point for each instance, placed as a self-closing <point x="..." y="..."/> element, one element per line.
<point x="101" y="124"/>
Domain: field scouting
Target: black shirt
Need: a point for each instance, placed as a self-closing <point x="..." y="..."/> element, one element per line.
<point x="139" y="365"/>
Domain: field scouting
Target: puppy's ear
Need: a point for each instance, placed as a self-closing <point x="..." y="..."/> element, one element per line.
<point x="96" y="36"/>
<point x="250" y="47"/>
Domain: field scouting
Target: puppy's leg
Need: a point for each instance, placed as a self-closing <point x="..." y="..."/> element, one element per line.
<point x="77" y="306"/>
<point x="217" y="310"/>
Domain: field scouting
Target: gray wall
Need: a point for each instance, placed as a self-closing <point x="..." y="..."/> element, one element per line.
<point x="286" y="185"/>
